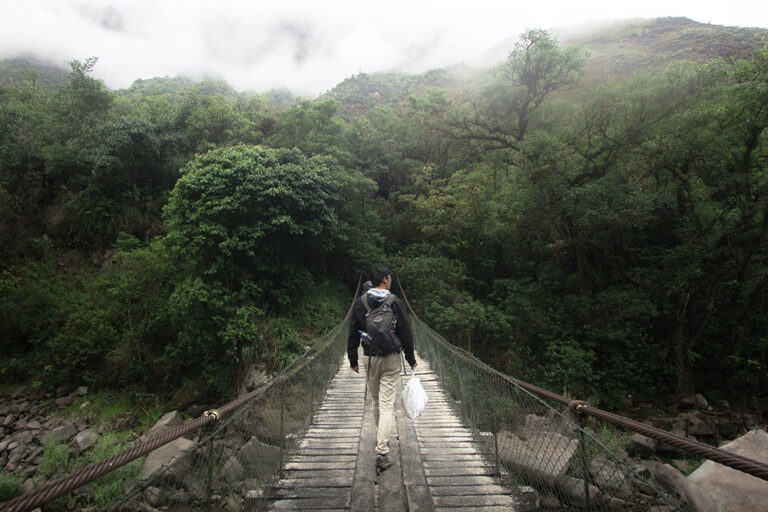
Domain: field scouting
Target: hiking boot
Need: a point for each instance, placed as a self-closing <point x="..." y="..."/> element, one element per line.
<point x="383" y="462"/>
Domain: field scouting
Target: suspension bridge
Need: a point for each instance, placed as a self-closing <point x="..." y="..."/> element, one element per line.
<point x="486" y="442"/>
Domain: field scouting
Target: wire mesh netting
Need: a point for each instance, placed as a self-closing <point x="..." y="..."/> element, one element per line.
<point x="230" y="465"/>
<point x="540" y="445"/>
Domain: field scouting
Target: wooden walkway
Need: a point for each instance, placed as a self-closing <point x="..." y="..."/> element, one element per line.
<point x="438" y="466"/>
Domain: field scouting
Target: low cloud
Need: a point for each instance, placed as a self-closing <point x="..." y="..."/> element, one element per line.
<point x="306" y="46"/>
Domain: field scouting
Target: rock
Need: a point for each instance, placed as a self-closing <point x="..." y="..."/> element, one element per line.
<point x="85" y="440"/>
<point x="680" y="465"/>
<point x="4" y="445"/>
<point x="12" y="446"/>
<point x="610" y="477"/>
<point x="105" y="428"/>
<point x="181" y="497"/>
<point x="20" y="392"/>
<point x="125" y="422"/>
<point x="9" y="420"/>
<point x="81" y="423"/>
<point x="233" y="469"/>
<point x="153" y="495"/>
<point x="64" y="401"/>
<point x="669" y="479"/>
<point x="84" y="405"/>
<point x="529" y="498"/>
<point x="545" y="455"/>
<point x="81" y="391"/>
<point x="714" y="487"/>
<point x="194" y="487"/>
<point x="165" y="456"/>
<point x="259" y="458"/>
<point x="24" y="437"/>
<point x="233" y="503"/>
<point x="63" y="433"/>
<point x="34" y="425"/>
<point x="27" y="486"/>
<point x="641" y="446"/>
<point x="62" y="390"/>
<point x="15" y="456"/>
<point x="574" y="490"/>
<point x="700" y="424"/>
<point x="169" y="420"/>
<point x="255" y="379"/>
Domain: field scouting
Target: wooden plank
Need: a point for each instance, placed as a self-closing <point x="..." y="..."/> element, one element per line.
<point x="467" y="490"/>
<point x="460" y="480"/>
<point x="310" y="492"/>
<point x="321" y="473"/>
<point x="342" y="481"/>
<point x="390" y="488"/>
<point x="489" y="471"/>
<point x="311" y="503"/>
<point x="478" y="500"/>
<point x="362" y="493"/>
<point x="313" y="465"/>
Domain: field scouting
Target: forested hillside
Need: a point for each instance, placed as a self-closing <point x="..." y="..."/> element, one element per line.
<point x="589" y="217"/>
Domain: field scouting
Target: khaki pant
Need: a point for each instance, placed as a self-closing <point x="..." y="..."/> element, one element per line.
<point x="383" y="378"/>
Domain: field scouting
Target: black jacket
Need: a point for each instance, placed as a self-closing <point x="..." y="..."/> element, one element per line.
<point x="357" y="323"/>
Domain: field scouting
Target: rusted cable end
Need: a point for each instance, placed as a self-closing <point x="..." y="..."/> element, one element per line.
<point x="577" y="406"/>
<point x="212" y="412"/>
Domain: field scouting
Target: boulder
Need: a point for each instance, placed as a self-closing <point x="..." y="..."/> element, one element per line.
<point x="81" y="391"/>
<point x="609" y="476"/>
<point x="574" y="490"/>
<point x="20" y="392"/>
<point x="154" y="496"/>
<point x="4" y="444"/>
<point x="701" y="402"/>
<point x="233" y="469"/>
<point x="700" y="424"/>
<point x="63" y="433"/>
<point x="165" y="456"/>
<point x="642" y="446"/>
<point x="544" y="455"/>
<point x="259" y="458"/>
<point x="64" y="401"/>
<point x="169" y="420"/>
<point x="669" y="479"/>
<point x="714" y="487"/>
<point x="9" y="420"/>
<point x="85" y="440"/>
<point x="34" y="425"/>
<point x="254" y="379"/>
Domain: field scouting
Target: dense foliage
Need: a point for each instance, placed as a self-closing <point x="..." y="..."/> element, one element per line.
<point x="606" y="240"/>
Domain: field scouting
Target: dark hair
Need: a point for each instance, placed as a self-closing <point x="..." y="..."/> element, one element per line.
<point x="378" y="274"/>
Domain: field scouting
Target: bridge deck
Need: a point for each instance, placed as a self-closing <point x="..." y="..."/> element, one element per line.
<point x="438" y="466"/>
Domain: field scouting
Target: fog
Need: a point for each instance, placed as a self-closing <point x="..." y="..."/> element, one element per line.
<point x="306" y="46"/>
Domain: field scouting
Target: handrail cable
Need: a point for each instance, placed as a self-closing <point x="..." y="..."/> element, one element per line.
<point x="52" y="490"/>
<point x="733" y="460"/>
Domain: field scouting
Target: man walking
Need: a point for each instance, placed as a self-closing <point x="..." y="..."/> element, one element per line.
<point x="381" y="321"/>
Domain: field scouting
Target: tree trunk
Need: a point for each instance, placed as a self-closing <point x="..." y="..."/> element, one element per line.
<point x="681" y="349"/>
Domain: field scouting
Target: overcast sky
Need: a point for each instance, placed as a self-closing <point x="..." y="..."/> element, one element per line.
<point x="307" y="46"/>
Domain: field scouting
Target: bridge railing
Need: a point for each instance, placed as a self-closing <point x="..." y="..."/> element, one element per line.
<point x="223" y="460"/>
<point x="540" y="443"/>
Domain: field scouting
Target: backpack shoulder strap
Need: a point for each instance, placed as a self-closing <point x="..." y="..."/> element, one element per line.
<point x="364" y="300"/>
<point x="390" y="299"/>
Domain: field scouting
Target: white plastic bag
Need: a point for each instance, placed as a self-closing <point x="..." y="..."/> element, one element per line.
<point x="414" y="398"/>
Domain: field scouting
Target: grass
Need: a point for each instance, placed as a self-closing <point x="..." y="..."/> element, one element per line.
<point x="10" y="486"/>
<point x="55" y="457"/>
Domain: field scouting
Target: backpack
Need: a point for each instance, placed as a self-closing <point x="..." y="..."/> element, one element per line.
<point x="380" y="325"/>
